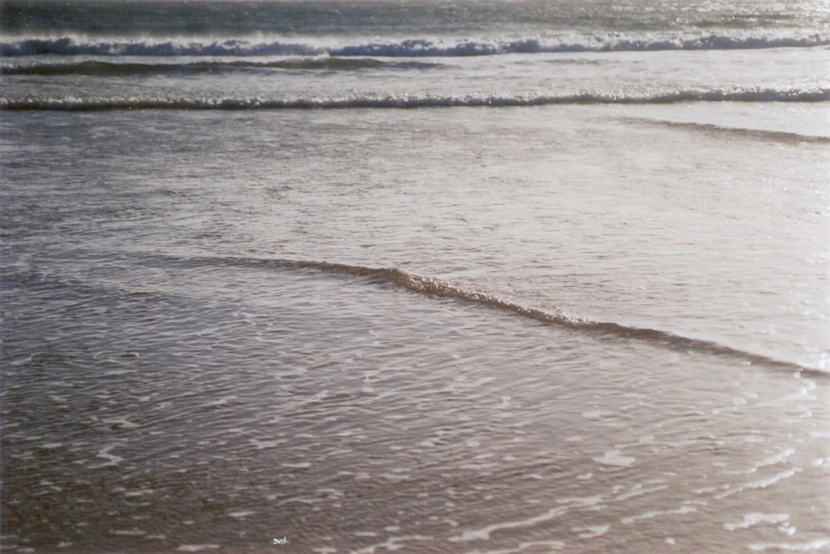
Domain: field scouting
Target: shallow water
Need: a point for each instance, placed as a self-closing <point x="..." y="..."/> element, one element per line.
<point x="565" y="301"/>
<point x="342" y="412"/>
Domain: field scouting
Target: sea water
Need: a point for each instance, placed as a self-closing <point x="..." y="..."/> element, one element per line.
<point x="426" y="276"/>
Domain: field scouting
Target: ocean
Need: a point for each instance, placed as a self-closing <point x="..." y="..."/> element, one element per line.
<point x="425" y="276"/>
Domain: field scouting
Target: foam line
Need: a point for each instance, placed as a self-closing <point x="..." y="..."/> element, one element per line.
<point x="438" y="288"/>
<point x="410" y="101"/>
<point x="95" y="68"/>
<point x="760" y="134"/>
<point x="413" y="47"/>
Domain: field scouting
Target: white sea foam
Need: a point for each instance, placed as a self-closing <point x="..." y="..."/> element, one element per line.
<point x="591" y="532"/>
<point x="638" y="490"/>
<point x="582" y="500"/>
<point x="105" y="453"/>
<point x="792" y="547"/>
<point x="762" y="484"/>
<point x="77" y="45"/>
<point x="129" y="532"/>
<point x="656" y="513"/>
<point x="613" y="458"/>
<point x="752" y="519"/>
<point x="533" y="98"/>
<point x="485" y="532"/>
<point x="596" y="414"/>
<point x="241" y="514"/>
<point x="392" y="544"/>
<point x="772" y="460"/>
<point x="133" y="494"/>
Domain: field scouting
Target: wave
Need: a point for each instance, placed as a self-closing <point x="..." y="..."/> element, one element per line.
<point x="760" y="134"/>
<point x="598" y="42"/>
<point x="438" y="288"/>
<point x="409" y="101"/>
<point x="95" y="68"/>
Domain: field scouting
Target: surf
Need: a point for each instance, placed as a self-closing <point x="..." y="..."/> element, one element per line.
<point x="96" y="68"/>
<point x="765" y="135"/>
<point x="437" y="288"/>
<point x="405" y="101"/>
<point x="601" y="42"/>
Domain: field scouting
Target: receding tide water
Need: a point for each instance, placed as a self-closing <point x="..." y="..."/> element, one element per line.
<point x="426" y="277"/>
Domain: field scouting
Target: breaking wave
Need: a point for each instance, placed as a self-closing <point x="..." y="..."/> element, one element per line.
<point x="411" y="101"/>
<point x="599" y="42"/>
<point x="760" y="134"/>
<point x="94" y="68"/>
<point x="438" y="288"/>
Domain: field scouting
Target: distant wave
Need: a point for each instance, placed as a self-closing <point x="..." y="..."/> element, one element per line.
<point x="100" y="68"/>
<point x="761" y="134"/>
<point x="411" y="101"/>
<point x="437" y="287"/>
<point x="600" y="42"/>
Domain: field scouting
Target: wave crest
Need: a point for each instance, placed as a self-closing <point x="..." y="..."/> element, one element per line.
<point x="605" y="42"/>
<point x="94" y="68"/>
<point x="436" y="287"/>
<point x="760" y="134"/>
<point x="411" y="101"/>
